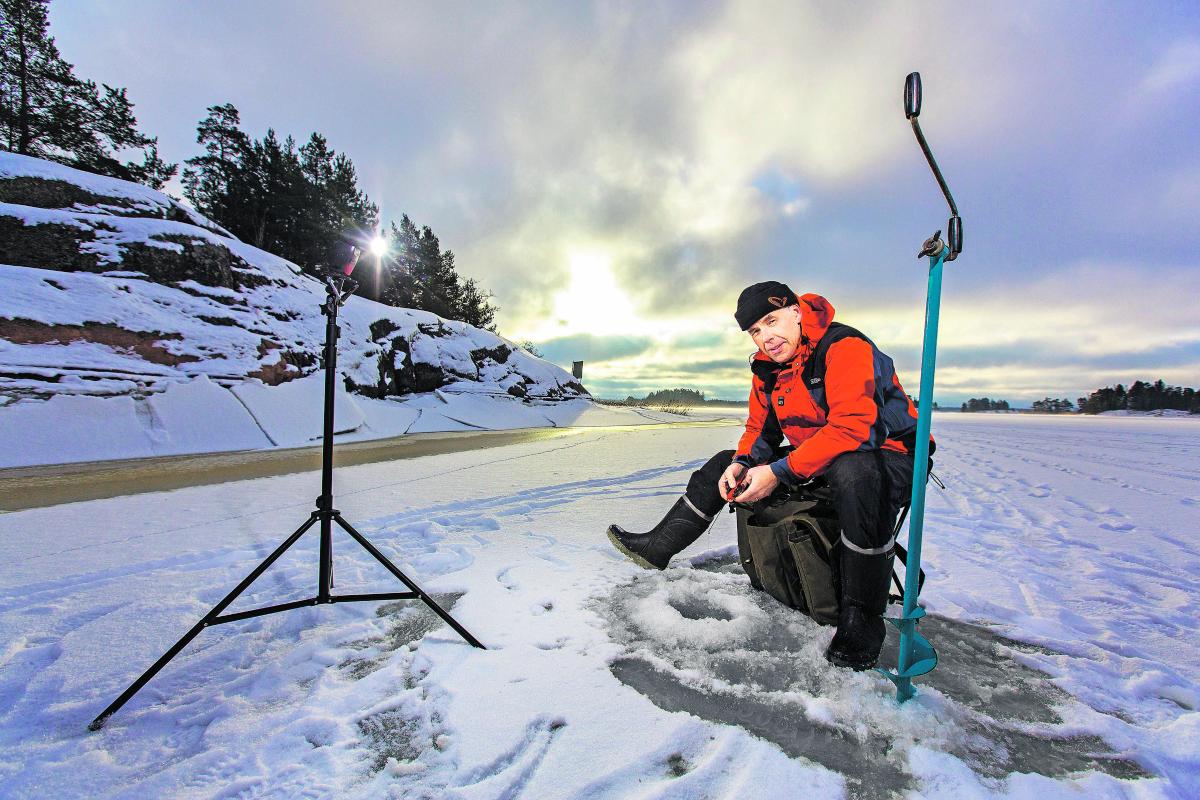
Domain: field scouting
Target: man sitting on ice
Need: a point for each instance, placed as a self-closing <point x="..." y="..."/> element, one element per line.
<point x="836" y="398"/>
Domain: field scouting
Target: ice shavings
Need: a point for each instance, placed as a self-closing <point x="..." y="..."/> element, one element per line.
<point x="684" y="611"/>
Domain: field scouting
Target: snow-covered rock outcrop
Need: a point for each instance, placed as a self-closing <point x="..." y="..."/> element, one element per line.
<point x="110" y="290"/>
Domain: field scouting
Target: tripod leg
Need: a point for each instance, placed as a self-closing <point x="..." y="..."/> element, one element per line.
<point x="429" y="601"/>
<point x="134" y="687"/>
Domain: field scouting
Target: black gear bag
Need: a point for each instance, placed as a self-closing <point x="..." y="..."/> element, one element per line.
<point x="787" y="547"/>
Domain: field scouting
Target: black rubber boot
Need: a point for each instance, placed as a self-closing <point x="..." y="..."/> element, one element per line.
<point x="653" y="549"/>
<point x="861" y="629"/>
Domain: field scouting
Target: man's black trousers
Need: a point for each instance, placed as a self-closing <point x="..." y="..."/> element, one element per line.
<point x="858" y="481"/>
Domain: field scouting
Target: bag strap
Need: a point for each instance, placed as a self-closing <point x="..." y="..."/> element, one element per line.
<point x="814" y="367"/>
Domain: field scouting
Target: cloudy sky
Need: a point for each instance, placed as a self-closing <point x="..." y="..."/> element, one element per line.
<point x="617" y="172"/>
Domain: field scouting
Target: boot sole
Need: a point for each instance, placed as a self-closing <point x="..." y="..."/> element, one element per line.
<point x="845" y="663"/>
<point x="632" y="556"/>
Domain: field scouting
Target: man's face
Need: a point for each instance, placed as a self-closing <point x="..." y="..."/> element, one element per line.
<point x="777" y="334"/>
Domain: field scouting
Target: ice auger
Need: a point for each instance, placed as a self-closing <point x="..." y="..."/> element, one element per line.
<point x="917" y="656"/>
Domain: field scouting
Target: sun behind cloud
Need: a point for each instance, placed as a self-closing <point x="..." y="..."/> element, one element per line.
<point x="593" y="302"/>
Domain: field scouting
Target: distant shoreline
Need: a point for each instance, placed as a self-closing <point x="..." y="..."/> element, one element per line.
<point x="657" y="403"/>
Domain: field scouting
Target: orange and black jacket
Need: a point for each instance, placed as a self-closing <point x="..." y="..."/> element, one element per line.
<point x="858" y="403"/>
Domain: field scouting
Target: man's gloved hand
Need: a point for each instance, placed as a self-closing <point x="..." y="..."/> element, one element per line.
<point x="757" y="483"/>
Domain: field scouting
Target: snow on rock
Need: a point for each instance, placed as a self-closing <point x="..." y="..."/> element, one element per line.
<point x="111" y="289"/>
<point x="431" y="421"/>
<point x="195" y="417"/>
<point x="203" y="416"/>
<point x="391" y="416"/>
<point x="46" y="184"/>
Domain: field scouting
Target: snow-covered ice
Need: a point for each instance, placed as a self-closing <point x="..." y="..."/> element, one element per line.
<point x="1064" y="593"/>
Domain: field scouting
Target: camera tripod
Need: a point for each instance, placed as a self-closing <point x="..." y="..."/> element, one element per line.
<point x="338" y="289"/>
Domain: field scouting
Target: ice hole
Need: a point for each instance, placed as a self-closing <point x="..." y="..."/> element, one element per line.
<point x="759" y="665"/>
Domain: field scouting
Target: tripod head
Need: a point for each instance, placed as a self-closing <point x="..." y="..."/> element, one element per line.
<point x="338" y="283"/>
<point x="338" y="289"/>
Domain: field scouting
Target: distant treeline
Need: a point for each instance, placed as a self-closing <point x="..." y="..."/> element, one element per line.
<point x="677" y="397"/>
<point x="1051" y="405"/>
<point x="295" y="202"/>
<point x="1141" y="396"/>
<point x="983" y="404"/>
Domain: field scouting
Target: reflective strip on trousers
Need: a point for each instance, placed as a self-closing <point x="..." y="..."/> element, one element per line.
<point x="873" y="551"/>
<point x="699" y="513"/>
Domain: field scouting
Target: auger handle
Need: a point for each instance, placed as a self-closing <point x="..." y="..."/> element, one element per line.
<point x="912" y="110"/>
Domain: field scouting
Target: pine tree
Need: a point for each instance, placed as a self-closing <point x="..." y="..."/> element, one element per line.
<point x="1141" y="396"/>
<point x="316" y="160"/>
<point x="530" y="347"/>
<point x="316" y="163"/>
<point x="429" y="266"/>
<point x="477" y="308"/>
<point x="154" y="171"/>
<point x="301" y="204"/>
<point x="279" y="197"/>
<point x="38" y="85"/>
<point x="448" y="286"/>
<point x="350" y="212"/>
<point x="48" y="112"/>
<point x="400" y="266"/>
<point x="216" y="182"/>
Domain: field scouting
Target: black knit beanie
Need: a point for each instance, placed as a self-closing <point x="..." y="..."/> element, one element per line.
<point x="756" y="301"/>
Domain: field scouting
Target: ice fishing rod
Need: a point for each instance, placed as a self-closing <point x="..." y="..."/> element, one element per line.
<point x="917" y="656"/>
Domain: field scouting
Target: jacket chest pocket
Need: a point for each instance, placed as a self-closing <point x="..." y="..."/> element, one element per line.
<point x="794" y="405"/>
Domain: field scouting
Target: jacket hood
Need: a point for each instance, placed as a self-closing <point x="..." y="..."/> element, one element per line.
<point x="816" y="314"/>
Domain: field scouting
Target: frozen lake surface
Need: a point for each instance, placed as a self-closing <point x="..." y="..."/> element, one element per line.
<point x="1064" y="594"/>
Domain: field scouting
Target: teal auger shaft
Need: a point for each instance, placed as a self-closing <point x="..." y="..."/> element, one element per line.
<point x="912" y="571"/>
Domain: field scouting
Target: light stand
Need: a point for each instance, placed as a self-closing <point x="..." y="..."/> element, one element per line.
<point x="338" y="289"/>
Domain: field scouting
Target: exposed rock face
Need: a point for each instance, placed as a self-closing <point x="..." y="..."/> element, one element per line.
<point x="111" y="288"/>
<point x="399" y="374"/>
<point x="78" y="246"/>
<point x="145" y="344"/>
